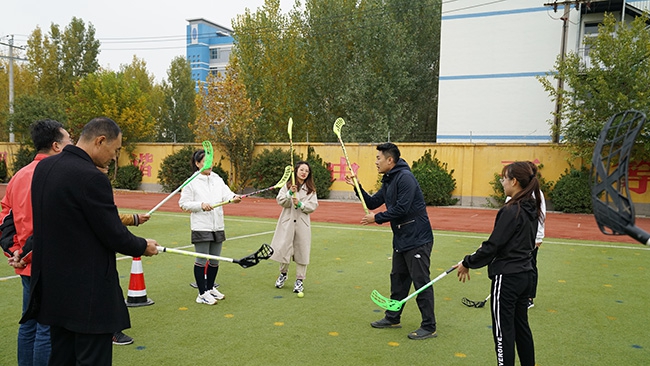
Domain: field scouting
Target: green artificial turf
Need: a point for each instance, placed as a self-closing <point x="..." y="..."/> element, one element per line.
<point x="591" y="308"/>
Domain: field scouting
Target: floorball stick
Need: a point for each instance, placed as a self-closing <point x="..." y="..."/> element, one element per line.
<point x="280" y="183"/>
<point x="475" y="304"/>
<point x="289" y="130"/>
<point x="394" y="305"/>
<point x="264" y="252"/>
<point x="610" y="193"/>
<point x="337" y="130"/>
<point x="207" y="164"/>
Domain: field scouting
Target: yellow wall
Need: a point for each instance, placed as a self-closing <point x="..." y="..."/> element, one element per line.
<point x="474" y="165"/>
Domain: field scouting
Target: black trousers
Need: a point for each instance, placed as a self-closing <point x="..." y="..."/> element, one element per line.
<point x="79" y="349"/>
<point x="412" y="267"/>
<point x="510" y="327"/>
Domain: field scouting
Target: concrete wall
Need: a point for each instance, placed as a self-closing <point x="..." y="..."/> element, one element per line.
<point x="474" y="165"/>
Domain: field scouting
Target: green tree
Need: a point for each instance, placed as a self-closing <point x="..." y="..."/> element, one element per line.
<point x="372" y="62"/>
<point x="29" y="108"/>
<point x="330" y="48"/>
<point x="226" y="115"/>
<point x="179" y="108"/>
<point x="615" y="78"/>
<point x="59" y="59"/>
<point x="114" y="95"/>
<point x="24" y="84"/>
<point x="272" y="63"/>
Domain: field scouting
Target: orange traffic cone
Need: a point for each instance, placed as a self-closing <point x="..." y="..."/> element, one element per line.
<point x="137" y="294"/>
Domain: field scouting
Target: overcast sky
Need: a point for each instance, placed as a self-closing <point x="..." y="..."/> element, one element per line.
<point x="151" y="30"/>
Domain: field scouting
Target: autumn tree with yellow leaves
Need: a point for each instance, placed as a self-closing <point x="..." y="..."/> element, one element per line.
<point x="225" y="115"/>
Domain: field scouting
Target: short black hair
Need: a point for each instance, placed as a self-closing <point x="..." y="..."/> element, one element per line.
<point x="100" y="126"/>
<point x="44" y="133"/>
<point x="390" y="149"/>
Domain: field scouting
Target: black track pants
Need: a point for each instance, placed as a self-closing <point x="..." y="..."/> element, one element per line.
<point x="510" y="318"/>
<point x="412" y="267"/>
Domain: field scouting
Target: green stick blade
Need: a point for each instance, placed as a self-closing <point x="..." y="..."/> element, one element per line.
<point x="209" y="155"/>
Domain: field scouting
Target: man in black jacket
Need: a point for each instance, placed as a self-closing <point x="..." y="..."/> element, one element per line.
<point x="412" y="237"/>
<point x="77" y="231"/>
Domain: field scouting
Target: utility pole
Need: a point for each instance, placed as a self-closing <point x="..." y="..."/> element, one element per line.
<point x="557" y="122"/>
<point x="12" y="137"/>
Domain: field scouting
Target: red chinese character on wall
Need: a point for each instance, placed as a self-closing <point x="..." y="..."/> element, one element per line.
<point x="143" y="162"/>
<point x="639" y="174"/>
<point x="341" y="168"/>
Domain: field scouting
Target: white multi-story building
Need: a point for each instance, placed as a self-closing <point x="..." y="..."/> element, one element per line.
<point x="491" y="54"/>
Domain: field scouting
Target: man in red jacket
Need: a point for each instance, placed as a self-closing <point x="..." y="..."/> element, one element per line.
<point x="49" y="138"/>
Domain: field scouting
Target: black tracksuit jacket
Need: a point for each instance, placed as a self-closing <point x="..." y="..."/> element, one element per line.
<point x="405" y="208"/>
<point x="509" y="248"/>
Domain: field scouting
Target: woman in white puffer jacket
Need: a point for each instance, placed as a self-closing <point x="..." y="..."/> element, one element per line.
<point x="207" y="225"/>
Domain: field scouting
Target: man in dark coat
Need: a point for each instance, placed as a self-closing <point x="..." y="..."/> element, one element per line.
<point x="77" y="231"/>
<point x="412" y="237"/>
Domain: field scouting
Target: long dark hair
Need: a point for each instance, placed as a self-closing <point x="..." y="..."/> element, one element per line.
<point x="309" y="181"/>
<point x="526" y="174"/>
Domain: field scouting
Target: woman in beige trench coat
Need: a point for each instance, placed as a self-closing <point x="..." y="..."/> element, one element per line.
<point x="292" y="238"/>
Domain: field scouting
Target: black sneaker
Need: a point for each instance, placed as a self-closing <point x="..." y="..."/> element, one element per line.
<point x="530" y="303"/>
<point x="385" y="323"/>
<point x="121" y="339"/>
<point x="422" y="334"/>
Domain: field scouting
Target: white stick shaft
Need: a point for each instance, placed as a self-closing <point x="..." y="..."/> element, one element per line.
<point x="173" y="193"/>
<point x="194" y="254"/>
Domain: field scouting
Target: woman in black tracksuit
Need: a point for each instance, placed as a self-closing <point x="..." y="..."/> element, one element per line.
<point x="508" y="255"/>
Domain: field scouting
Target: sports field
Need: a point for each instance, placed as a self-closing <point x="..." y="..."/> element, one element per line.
<point x="591" y="307"/>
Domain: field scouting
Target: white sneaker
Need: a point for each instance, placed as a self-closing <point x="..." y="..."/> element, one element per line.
<point x="216" y="294"/>
<point x="280" y="281"/>
<point x="206" y="298"/>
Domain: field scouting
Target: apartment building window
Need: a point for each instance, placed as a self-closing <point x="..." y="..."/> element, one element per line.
<point x="590" y="31"/>
<point x="220" y="54"/>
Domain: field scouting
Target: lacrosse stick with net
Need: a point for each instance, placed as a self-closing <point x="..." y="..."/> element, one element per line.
<point x="250" y="260"/>
<point x="610" y="194"/>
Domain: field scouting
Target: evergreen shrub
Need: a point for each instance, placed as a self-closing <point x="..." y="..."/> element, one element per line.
<point x="572" y="192"/>
<point x="436" y="181"/>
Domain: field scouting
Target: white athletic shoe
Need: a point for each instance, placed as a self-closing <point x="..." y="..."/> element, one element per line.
<point x="216" y="294"/>
<point x="298" y="287"/>
<point x="206" y="298"/>
<point x="280" y="281"/>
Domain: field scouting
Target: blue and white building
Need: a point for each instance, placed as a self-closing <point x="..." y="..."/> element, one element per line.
<point x="208" y="48"/>
<point x="491" y="54"/>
